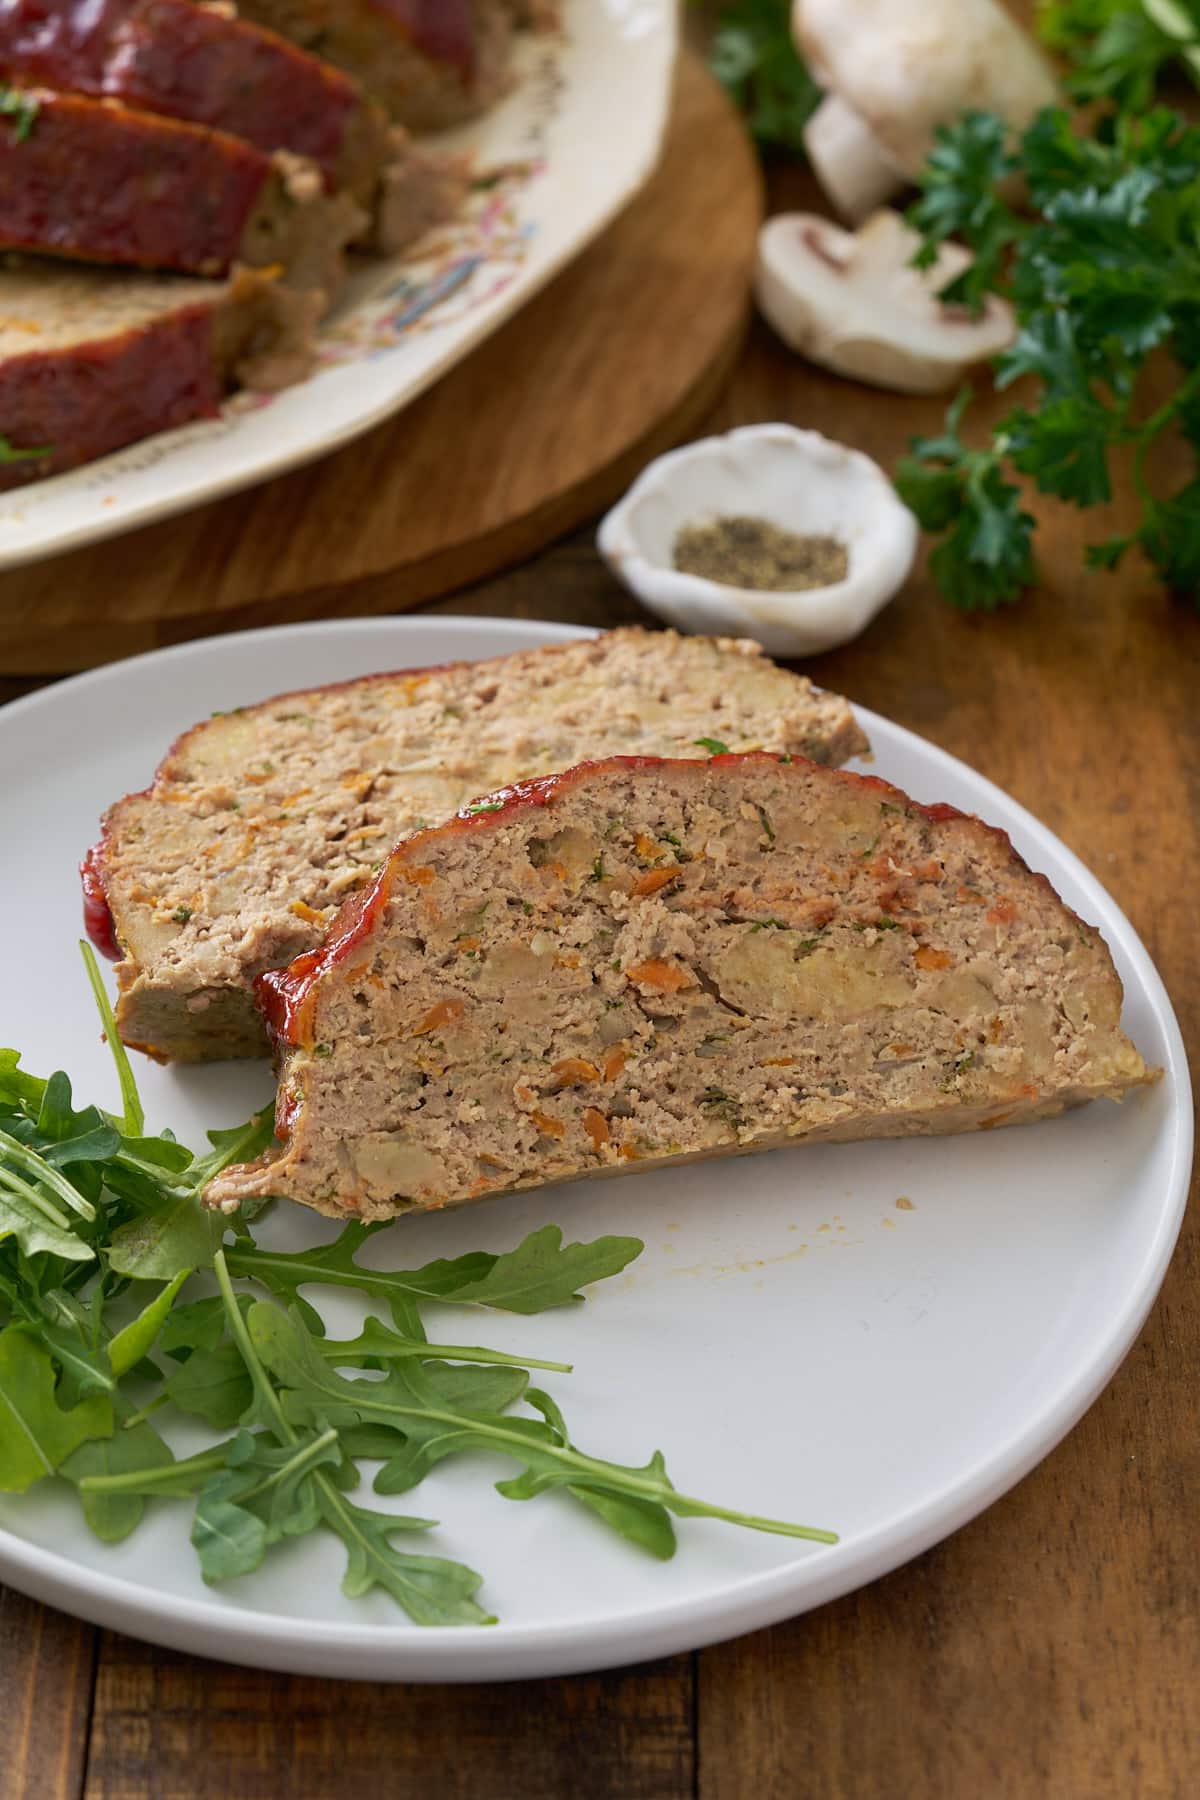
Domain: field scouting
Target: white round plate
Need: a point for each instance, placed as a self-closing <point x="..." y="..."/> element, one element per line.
<point x="797" y="1342"/>
<point x="572" y="143"/>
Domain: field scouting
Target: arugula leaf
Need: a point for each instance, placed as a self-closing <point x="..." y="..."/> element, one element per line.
<point x="212" y="1384"/>
<point x="265" y="1495"/>
<point x="431" y="1589"/>
<point x="158" y="1246"/>
<point x="89" y="1203"/>
<point x="36" y="1434"/>
<point x="112" y="1515"/>
<point x="543" y="1272"/>
<point x="133" y="1342"/>
<point x="375" y="1347"/>
<point x="540" y="1273"/>
<point x="135" y="1118"/>
<point x="408" y="1400"/>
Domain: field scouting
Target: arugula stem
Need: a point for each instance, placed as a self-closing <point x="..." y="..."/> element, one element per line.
<point x="241" y="1337"/>
<point x="646" y="1486"/>
<point x="139" y="1418"/>
<point x="135" y="1118"/>
<point x="334" y="1509"/>
<point x="46" y="1173"/>
<point x="179" y="1478"/>
<point x="335" y="1352"/>
<point x="307" y="1453"/>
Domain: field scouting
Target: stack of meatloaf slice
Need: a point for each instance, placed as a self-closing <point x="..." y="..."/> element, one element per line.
<point x="168" y="137"/>
<point x="262" y="820"/>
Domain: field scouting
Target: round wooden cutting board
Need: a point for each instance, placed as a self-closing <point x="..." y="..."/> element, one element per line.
<point x="542" y="426"/>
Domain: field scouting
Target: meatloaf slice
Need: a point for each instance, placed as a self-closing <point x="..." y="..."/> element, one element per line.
<point x="204" y="66"/>
<point x="430" y="63"/>
<point x="191" y="62"/>
<point x="261" y="821"/>
<point x="99" y="182"/>
<point x="91" y="360"/>
<point x="642" y="963"/>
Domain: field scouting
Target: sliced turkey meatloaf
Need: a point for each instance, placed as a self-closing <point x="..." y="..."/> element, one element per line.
<point x="641" y="963"/>
<point x="99" y="182"/>
<point x="192" y="62"/>
<point x="92" y="359"/>
<point x="430" y="63"/>
<point x="205" y="66"/>
<point x="261" y="821"/>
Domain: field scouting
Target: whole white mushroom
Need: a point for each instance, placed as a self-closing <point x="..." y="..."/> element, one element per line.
<point x="893" y="71"/>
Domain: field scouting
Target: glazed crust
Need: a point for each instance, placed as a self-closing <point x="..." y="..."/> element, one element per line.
<point x="91" y="360"/>
<point x="643" y="962"/>
<point x="260" y="822"/>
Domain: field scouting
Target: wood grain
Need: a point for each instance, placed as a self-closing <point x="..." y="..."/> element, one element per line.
<point x="540" y="427"/>
<point x="1050" y="1650"/>
<point x="47" y="1671"/>
<point x="181" y="1729"/>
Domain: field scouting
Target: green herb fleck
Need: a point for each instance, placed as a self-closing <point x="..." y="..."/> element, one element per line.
<point x="767" y="826"/>
<point x="597" y="873"/>
<point x="182" y="914"/>
<point x="484" y="806"/>
<point x="9" y="453"/>
<point x="714" y="746"/>
<point x="21" y="108"/>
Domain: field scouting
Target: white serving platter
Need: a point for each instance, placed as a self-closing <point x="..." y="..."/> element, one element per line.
<point x="795" y="1341"/>
<point x="574" y="141"/>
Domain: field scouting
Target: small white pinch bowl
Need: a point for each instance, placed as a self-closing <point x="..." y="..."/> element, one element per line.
<point x="799" y="481"/>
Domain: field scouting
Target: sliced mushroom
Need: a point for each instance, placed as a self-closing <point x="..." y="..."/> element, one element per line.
<point x="895" y="70"/>
<point x="852" y="302"/>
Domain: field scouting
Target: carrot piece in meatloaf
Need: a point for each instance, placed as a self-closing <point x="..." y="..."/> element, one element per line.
<point x="92" y="359"/>
<point x="262" y="820"/>
<point x="190" y="62"/>
<point x="810" y="971"/>
<point x="430" y="63"/>
<point x="98" y="182"/>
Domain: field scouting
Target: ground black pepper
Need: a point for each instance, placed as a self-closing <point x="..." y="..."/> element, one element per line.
<point x="753" y="553"/>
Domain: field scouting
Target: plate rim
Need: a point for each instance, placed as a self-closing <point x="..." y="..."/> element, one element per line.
<point x="485" y="324"/>
<point x="514" y="1652"/>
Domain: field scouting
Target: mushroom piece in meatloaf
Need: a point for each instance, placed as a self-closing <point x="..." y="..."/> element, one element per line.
<point x="642" y="963"/>
<point x="430" y="63"/>
<point x="94" y="359"/>
<point x="98" y="182"/>
<point x="262" y="820"/>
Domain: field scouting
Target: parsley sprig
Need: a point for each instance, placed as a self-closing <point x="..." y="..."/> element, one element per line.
<point x="122" y="1300"/>
<point x="1118" y="49"/>
<point x="754" y="57"/>
<point x="1104" y="274"/>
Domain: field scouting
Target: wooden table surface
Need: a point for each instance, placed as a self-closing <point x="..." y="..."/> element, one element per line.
<point x="1052" y="1647"/>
